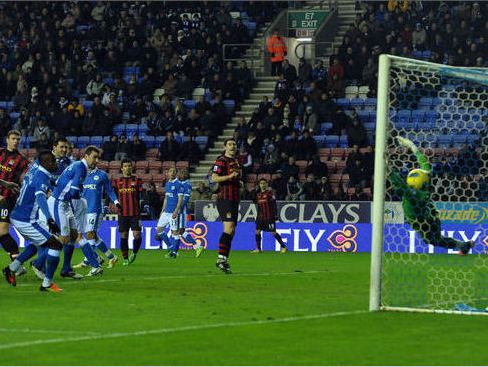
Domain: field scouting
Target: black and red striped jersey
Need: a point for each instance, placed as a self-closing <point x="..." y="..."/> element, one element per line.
<point x="224" y="166"/>
<point x="12" y="166"/>
<point x="266" y="204"/>
<point x="128" y="190"/>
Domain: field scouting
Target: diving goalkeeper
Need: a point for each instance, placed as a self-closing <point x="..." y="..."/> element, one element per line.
<point x="417" y="204"/>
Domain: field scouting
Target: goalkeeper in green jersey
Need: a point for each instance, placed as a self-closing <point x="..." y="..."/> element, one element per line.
<point x="419" y="210"/>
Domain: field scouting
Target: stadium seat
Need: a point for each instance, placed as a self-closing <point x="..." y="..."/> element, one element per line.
<point x="331" y="166"/>
<point x="96" y="140"/>
<point x="369" y="104"/>
<point x="87" y="105"/>
<point x="189" y="103"/>
<point x="182" y="164"/>
<point x="166" y="165"/>
<point x="343" y="141"/>
<point x="82" y="141"/>
<point x="340" y="166"/>
<point x="131" y="129"/>
<point x="324" y="127"/>
<point x="331" y="141"/>
<point x="344" y="102"/>
<point x="370" y="126"/>
<point x="363" y="91"/>
<point x="351" y="91"/>
<point x="103" y="165"/>
<point x="251" y="178"/>
<point x="152" y="154"/>
<point x="155" y="166"/>
<point x="337" y="154"/>
<point x="142" y="165"/>
<point x="145" y="177"/>
<point x="118" y="129"/>
<point x="158" y="140"/>
<point x="335" y="178"/>
<point x="266" y="176"/>
<point x="114" y="165"/>
<point x="320" y="139"/>
<point x="357" y="102"/>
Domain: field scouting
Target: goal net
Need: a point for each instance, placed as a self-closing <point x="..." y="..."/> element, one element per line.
<point x="417" y="215"/>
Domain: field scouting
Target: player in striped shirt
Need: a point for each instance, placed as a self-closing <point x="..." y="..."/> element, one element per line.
<point x="267" y="215"/>
<point x="12" y="166"/>
<point x="128" y="189"/>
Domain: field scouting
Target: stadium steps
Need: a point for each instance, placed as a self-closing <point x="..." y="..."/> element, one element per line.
<point x="264" y="87"/>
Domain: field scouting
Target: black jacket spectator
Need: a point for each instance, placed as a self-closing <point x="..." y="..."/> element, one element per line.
<point x="170" y="149"/>
<point x="109" y="148"/>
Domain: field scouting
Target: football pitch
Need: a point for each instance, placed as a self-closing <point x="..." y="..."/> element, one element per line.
<point x="276" y="309"/>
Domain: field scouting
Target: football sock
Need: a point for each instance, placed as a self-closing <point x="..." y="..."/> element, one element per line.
<point x="176" y="243"/>
<point x="166" y="240"/>
<point x="124" y="247"/>
<point x="137" y="245"/>
<point x="52" y="262"/>
<point x="103" y="248"/>
<point x="9" y="245"/>
<point x="258" y="242"/>
<point x="224" y="244"/>
<point x="189" y="238"/>
<point x="279" y="239"/>
<point x="40" y="262"/>
<point x="28" y="252"/>
<point x="68" y="249"/>
<point x="87" y="249"/>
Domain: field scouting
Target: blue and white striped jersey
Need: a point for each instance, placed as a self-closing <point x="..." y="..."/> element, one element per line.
<point x="96" y="183"/>
<point x="33" y="195"/>
<point x="69" y="184"/>
<point x="173" y="190"/>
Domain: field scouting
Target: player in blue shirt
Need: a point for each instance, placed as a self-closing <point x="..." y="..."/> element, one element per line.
<point x="169" y="213"/>
<point x="60" y="150"/>
<point x="187" y="189"/>
<point x="96" y="184"/>
<point x="69" y="209"/>
<point x="26" y="219"/>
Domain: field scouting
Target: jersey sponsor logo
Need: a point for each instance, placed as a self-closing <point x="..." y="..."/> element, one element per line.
<point x="90" y="186"/>
<point x="96" y="178"/>
<point x="199" y="233"/>
<point x="129" y="189"/>
<point x="5" y="168"/>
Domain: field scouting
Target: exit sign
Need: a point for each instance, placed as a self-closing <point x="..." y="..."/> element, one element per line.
<point x="302" y="21"/>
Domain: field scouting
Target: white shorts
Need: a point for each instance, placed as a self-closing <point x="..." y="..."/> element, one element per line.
<point x="166" y="219"/>
<point x="37" y="232"/>
<point x="92" y="222"/>
<point x="79" y="210"/>
<point x="62" y="213"/>
<point x="182" y="219"/>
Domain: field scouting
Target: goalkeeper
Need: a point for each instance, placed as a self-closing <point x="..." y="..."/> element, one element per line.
<point x="417" y="204"/>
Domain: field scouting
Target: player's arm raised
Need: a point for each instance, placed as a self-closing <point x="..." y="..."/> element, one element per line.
<point x="421" y="158"/>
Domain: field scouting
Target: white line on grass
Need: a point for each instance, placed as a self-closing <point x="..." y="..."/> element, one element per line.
<point x="178" y="329"/>
<point x="45" y="331"/>
<point x="188" y="276"/>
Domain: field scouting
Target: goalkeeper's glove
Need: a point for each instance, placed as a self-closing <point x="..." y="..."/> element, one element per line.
<point x="407" y="143"/>
<point x="53" y="227"/>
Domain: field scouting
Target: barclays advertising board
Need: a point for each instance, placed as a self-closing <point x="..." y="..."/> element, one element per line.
<point x="295" y="211"/>
<point x="307" y="237"/>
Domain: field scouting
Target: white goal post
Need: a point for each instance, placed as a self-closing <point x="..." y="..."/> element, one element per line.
<point x="444" y="110"/>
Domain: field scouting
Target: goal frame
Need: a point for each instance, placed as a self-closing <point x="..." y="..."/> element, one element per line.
<point x="382" y="116"/>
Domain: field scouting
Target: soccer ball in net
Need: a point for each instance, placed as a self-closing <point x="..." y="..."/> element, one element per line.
<point x="417" y="178"/>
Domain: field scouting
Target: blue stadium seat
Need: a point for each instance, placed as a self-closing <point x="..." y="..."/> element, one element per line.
<point x="14" y="115"/>
<point x="343" y="102"/>
<point x="472" y="139"/>
<point x="10" y="105"/>
<point x="426" y="54"/>
<point x="324" y="127"/>
<point x="106" y="138"/>
<point x="357" y="102"/>
<point x="417" y="54"/>
<point x="149" y="140"/>
<point x="96" y="140"/>
<point x="3" y="104"/>
<point x="431" y="116"/>
<point x="118" y="129"/>
<point x="370" y="126"/>
<point x="444" y="141"/>
<point x="201" y="140"/>
<point x="72" y="139"/>
<point x="363" y="116"/>
<point x="87" y="104"/>
<point x="159" y="140"/>
<point x="131" y="129"/>
<point x="82" y="141"/>
<point x="125" y="116"/>
<point x="143" y="128"/>
<point x="229" y="105"/>
<point x="404" y="116"/>
<point x="129" y="70"/>
<point x="459" y="140"/>
<point x="190" y="103"/>
<point x="436" y="101"/>
<point x="370" y="104"/>
<point x="331" y="141"/>
<point x="425" y="103"/>
<point x="343" y="141"/>
<point x="320" y="139"/>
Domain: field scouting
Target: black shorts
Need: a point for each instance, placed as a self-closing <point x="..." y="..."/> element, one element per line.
<point x="126" y="223"/>
<point x="266" y="225"/>
<point x="6" y="207"/>
<point x="228" y="210"/>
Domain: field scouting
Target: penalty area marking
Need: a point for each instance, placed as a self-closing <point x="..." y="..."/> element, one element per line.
<point x="188" y="276"/>
<point x="177" y="329"/>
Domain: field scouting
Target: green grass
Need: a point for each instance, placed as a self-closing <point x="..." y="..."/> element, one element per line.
<point x="236" y="319"/>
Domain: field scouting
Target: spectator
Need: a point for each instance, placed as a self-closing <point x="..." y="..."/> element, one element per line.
<point x="317" y="167"/>
<point x="201" y="192"/>
<point x="5" y="122"/>
<point x="356" y="134"/>
<point x="245" y="160"/>
<point x="169" y="150"/>
<point x="109" y="148"/>
<point x="270" y="161"/>
<point x="277" y="49"/>
<point x="304" y="70"/>
<point x="325" y="189"/>
<point x="294" y="189"/>
<point x="40" y="129"/>
<point x="290" y="168"/>
<point x="42" y="143"/>
<point x="279" y="185"/>
<point x="311" y="189"/>
<point x="95" y="86"/>
<point x="190" y="150"/>
<point x="289" y="72"/>
<point x="310" y="121"/>
<point x="152" y="200"/>
<point x="419" y="37"/>
<point x="138" y="149"/>
<point x="124" y="149"/>
<point x="358" y="175"/>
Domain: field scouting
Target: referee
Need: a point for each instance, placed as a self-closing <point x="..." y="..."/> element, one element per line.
<point x="226" y="173"/>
